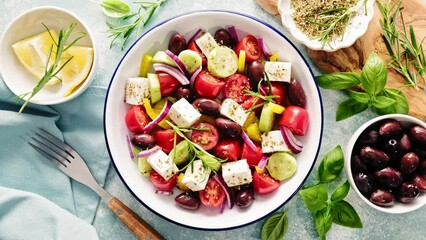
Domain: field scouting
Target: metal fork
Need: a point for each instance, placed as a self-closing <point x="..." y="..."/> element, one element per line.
<point x="70" y="162"/>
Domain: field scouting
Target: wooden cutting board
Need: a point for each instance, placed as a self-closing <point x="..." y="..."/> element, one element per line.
<point x="353" y="58"/>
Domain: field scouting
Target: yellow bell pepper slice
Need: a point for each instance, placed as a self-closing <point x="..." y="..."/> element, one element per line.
<point x="273" y="57"/>
<point x="145" y="65"/>
<point x="154" y="112"/>
<point x="180" y="184"/>
<point x="250" y="119"/>
<point x="276" y="108"/>
<point x="242" y="61"/>
<point x="253" y="132"/>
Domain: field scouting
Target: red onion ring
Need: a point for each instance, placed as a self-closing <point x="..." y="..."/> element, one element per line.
<point x="159" y="118"/>
<point x="289" y="139"/>
<point x="248" y="141"/>
<point x="178" y="62"/>
<point x="148" y="152"/>
<point x="130" y="147"/>
<point x="160" y="67"/>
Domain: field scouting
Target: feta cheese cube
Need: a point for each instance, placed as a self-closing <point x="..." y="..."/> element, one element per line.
<point x="162" y="164"/>
<point x="206" y="43"/>
<point x="136" y="89"/>
<point x="232" y="110"/>
<point x="273" y="141"/>
<point x="183" y="113"/>
<point x="196" y="176"/>
<point x="278" y="71"/>
<point x="236" y="173"/>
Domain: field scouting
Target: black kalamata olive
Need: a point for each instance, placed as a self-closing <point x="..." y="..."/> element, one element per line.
<point x="390" y="128"/>
<point x="409" y="163"/>
<point x="177" y="44"/>
<point x="224" y="38"/>
<point x="420" y="182"/>
<point x="185" y="92"/>
<point x="207" y="106"/>
<point x="407" y="192"/>
<point x="188" y="201"/>
<point x="228" y="128"/>
<point x="296" y="94"/>
<point x="374" y="157"/>
<point x="388" y="177"/>
<point x="244" y="197"/>
<point x="143" y="141"/>
<point x="365" y="183"/>
<point x="382" y="198"/>
<point x="255" y="72"/>
<point x="418" y="134"/>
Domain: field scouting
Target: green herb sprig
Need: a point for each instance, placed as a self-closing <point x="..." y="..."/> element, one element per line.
<point x="275" y="227"/>
<point x="52" y="69"/>
<point x="258" y="95"/>
<point x="334" y="209"/>
<point x="209" y="160"/>
<point x="372" y="79"/>
<point x="119" y="9"/>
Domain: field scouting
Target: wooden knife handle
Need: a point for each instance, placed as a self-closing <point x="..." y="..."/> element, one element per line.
<point x="137" y="225"/>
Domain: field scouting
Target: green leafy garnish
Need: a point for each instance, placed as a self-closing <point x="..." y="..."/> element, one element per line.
<point x="258" y="95"/>
<point x="141" y="18"/>
<point x="209" y="160"/>
<point x="372" y="79"/>
<point x="275" y="227"/>
<point x="52" y="69"/>
<point x="115" y="8"/>
<point x="335" y="209"/>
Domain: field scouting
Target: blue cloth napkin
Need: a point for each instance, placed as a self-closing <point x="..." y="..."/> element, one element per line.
<point x="79" y="123"/>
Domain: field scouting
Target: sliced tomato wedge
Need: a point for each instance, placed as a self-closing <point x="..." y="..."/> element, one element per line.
<point x="168" y="84"/>
<point x="193" y="46"/>
<point x="212" y="195"/>
<point x="207" y="85"/>
<point x="264" y="184"/>
<point x="207" y="139"/>
<point x="160" y="183"/>
<point x="252" y="157"/>
<point x="228" y="149"/>
<point x="296" y="119"/>
<point x="136" y="119"/>
<point x="251" y="46"/>
<point x="235" y="86"/>
<point x="165" y="139"/>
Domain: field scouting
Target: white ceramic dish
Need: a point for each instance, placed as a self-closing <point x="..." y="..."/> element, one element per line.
<point x="115" y="127"/>
<point x="18" y="79"/>
<point x="357" y="26"/>
<point x="398" y="207"/>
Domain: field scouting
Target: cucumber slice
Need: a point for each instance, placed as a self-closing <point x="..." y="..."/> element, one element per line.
<point x="191" y="59"/>
<point x="281" y="165"/>
<point x="182" y="153"/>
<point x="154" y="87"/>
<point x="144" y="166"/>
<point x="267" y="118"/>
<point x="162" y="57"/>
<point x="222" y="62"/>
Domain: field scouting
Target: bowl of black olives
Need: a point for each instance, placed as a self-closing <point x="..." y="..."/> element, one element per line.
<point x="385" y="162"/>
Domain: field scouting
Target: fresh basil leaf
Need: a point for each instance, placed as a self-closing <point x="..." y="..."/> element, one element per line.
<point x="349" y="108"/>
<point x="323" y="222"/>
<point x="331" y="165"/>
<point x="361" y="97"/>
<point x="374" y="74"/>
<point x="115" y="8"/>
<point x="344" y="214"/>
<point x="400" y="105"/>
<point x="338" y="81"/>
<point x="341" y="192"/>
<point x="382" y="102"/>
<point x="315" y="197"/>
<point x="275" y="227"/>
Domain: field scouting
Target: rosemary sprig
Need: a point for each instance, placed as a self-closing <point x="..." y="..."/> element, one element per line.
<point x="408" y="56"/>
<point x="258" y="95"/>
<point x="143" y="16"/>
<point x="209" y="160"/>
<point x="52" y="69"/>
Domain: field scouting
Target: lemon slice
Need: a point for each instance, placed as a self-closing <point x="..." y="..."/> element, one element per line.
<point x="33" y="53"/>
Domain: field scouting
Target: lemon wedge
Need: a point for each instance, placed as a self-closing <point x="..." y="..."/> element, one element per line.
<point x="33" y="53"/>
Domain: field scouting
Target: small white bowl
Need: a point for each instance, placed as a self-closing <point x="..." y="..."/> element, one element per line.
<point x="398" y="207"/>
<point x="357" y="26"/>
<point x="18" y="79"/>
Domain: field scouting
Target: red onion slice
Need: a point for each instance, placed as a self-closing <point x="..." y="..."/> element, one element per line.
<point x="148" y="152"/>
<point x="289" y="139"/>
<point x="178" y="62"/>
<point x="194" y="76"/>
<point x="226" y="189"/>
<point x="167" y="193"/>
<point x="196" y="35"/>
<point x="130" y="147"/>
<point x="159" y="118"/>
<point x="265" y="49"/>
<point x="160" y="67"/>
<point x="248" y="141"/>
<point x="222" y="207"/>
<point x="262" y="163"/>
<point x="233" y="31"/>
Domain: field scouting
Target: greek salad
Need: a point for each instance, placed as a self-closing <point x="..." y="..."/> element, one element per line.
<point x="216" y="117"/>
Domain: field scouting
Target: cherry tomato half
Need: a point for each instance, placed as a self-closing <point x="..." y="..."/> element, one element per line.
<point x="247" y="104"/>
<point x="136" y="119"/>
<point x="193" y="46"/>
<point x="296" y="119"/>
<point x="252" y="157"/>
<point x="263" y="183"/>
<point x="212" y="195"/>
<point x="165" y="140"/>
<point x="278" y="90"/>
<point x="207" y="85"/>
<point x="160" y="183"/>
<point x="235" y="86"/>
<point x="251" y="46"/>
<point x="168" y="84"/>
<point x="207" y="139"/>
<point x="228" y="149"/>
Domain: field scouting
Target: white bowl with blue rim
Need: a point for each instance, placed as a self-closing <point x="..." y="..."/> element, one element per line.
<point x="115" y="128"/>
